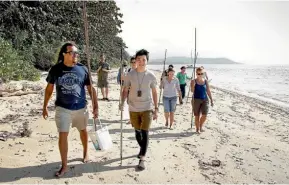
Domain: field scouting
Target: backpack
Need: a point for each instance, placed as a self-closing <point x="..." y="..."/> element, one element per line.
<point x="125" y="71"/>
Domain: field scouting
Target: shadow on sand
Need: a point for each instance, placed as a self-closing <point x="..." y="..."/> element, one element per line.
<point x="47" y="171"/>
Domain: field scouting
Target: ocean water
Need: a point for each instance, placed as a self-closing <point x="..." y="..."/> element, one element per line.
<point x="268" y="83"/>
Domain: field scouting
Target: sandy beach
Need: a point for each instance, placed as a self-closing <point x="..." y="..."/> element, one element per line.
<point x="249" y="137"/>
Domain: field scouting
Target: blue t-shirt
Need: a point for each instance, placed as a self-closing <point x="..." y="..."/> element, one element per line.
<point x="70" y="83"/>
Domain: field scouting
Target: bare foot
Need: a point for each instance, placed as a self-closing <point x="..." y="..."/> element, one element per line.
<point x="202" y="130"/>
<point x="86" y="159"/>
<point x="198" y="132"/>
<point x="61" y="172"/>
<point x="167" y="123"/>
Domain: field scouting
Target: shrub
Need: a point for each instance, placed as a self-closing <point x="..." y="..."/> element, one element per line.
<point x="13" y="66"/>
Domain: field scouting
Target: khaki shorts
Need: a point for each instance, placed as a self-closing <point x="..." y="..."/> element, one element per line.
<point x="65" y="117"/>
<point x="102" y="83"/>
<point x="141" y="120"/>
<point x="200" y="107"/>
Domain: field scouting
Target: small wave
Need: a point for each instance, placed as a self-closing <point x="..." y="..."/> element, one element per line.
<point x="283" y="105"/>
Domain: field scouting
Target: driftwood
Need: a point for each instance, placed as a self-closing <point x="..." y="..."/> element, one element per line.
<point x="18" y="93"/>
<point x="8" y="90"/>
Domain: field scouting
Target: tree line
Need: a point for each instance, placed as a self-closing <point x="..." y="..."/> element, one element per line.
<point x="31" y="33"/>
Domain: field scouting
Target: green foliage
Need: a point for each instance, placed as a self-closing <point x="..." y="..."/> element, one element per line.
<point x="36" y="29"/>
<point x="13" y="66"/>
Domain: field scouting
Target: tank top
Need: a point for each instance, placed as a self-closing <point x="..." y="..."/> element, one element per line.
<point x="200" y="91"/>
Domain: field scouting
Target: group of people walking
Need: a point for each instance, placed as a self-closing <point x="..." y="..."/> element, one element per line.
<point x="176" y="85"/>
<point x="139" y="89"/>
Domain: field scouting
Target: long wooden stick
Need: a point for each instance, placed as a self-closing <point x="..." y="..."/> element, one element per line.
<point x="121" y="113"/>
<point x="193" y="75"/>
<point x="88" y="54"/>
<point x="194" y="63"/>
<point x="162" y="77"/>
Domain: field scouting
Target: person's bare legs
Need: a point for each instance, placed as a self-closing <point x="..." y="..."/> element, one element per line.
<point x="84" y="141"/>
<point x="197" y="124"/>
<point x="63" y="149"/>
<point x="202" y="121"/>
<point x="102" y="92"/>
<point x="167" y="114"/>
<point x="172" y="115"/>
<point x="106" y="92"/>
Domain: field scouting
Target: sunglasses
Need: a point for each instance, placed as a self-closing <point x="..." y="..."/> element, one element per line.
<point x="74" y="53"/>
<point x="200" y="73"/>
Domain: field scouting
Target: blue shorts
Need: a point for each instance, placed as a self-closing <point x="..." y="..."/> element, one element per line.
<point x="170" y="103"/>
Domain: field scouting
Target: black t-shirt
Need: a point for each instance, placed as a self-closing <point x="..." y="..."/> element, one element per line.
<point x="70" y="83"/>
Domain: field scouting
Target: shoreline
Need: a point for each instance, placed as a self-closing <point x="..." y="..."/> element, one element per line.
<point x="254" y="97"/>
<point x="260" y="99"/>
<point x="282" y="106"/>
<point x="249" y="138"/>
<point x="272" y="105"/>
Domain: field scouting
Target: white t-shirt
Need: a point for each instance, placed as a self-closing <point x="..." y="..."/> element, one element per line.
<point x="171" y="88"/>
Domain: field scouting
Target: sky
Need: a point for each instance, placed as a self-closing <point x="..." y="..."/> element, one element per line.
<point x="243" y="31"/>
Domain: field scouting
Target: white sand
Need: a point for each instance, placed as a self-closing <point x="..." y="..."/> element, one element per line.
<point x="249" y="137"/>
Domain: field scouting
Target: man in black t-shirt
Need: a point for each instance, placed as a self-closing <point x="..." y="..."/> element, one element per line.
<point x="70" y="79"/>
